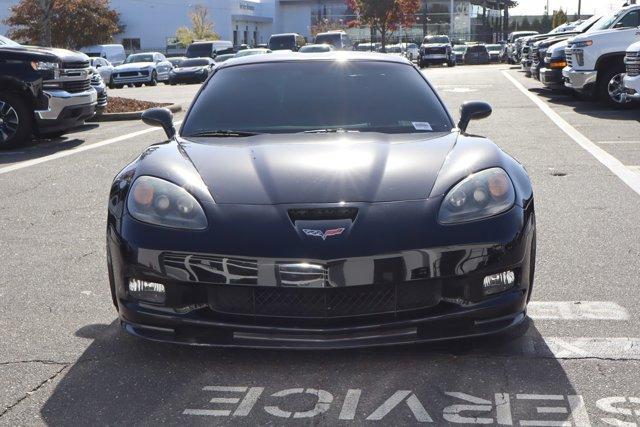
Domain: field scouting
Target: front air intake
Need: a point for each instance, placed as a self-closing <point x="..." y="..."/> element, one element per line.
<point x="322" y="214"/>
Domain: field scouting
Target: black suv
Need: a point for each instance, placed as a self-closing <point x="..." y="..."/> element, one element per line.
<point x="43" y="92"/>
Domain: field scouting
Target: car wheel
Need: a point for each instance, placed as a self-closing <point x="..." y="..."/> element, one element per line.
<point x="451" y="64"/>
<point x="154" y="79"/>
<point x="16" y="121"/>
<point x="118" y="86"/>
<point x="611" y="88"/>
<point x="138" y="84"/>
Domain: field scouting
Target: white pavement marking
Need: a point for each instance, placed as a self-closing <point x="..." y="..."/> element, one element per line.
<point x="594" y="348"/>
<point x="82" y="148"/>
<point x="614" y="165"/>
<point x="634" y="169"/>
<point x="576" y="310"/>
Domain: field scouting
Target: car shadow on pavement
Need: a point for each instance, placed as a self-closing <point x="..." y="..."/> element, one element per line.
<point x="120" y="379"/>
<point x="587" y="107"/>
<point x="40" y="147"/>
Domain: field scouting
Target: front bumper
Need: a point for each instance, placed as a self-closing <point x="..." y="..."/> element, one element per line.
<point x="66" y="110"/>
<point x="123" y="80"/>
<point x="632" y="85"/>
<point x="392" y="298"/>
<point x="551" y="77"/>
<point x="187" y="78"/>
<point x="579" y="80"/>
<point x="61" y="100"/>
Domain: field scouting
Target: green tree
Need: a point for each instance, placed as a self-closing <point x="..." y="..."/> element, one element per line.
<point x="525" y="24"/>
<point x="559" y="18"/>
<point x="201" y="27"/>
<point x="536" y="25"/>
<point x="545" y="23"/>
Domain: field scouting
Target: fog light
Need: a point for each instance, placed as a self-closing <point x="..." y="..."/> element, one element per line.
<point x="498" y="282"/>
<point x="147" y="291"/>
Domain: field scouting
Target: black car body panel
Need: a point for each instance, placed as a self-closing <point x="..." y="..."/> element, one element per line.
<point x="255" y="277"/>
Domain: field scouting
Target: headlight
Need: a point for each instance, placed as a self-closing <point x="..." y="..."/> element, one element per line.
<point x="159" y="202"/>
<point x="584" y="43"/>
<point x="44" y="66"/>
<point x="481" y="195"/>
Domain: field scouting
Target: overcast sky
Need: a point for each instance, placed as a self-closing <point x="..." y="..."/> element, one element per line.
<point x="536" y="7"/>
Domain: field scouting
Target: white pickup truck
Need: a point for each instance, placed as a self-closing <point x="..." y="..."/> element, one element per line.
<point x="595" y="60"/>
<point x="632" y="78"/>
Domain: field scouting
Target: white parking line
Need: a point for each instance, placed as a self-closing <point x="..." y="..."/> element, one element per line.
<point x="82" y="148"/>
<point x="614" y="165"/>
<point x="622" y="348"/>
<point x="576" y="310"/>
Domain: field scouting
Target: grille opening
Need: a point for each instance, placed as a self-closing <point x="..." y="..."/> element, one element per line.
<point x="319" y="214"/>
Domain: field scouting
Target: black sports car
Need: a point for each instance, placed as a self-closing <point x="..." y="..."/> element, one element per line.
<point x="191" y="70"/>
<point x="290" y="210"/>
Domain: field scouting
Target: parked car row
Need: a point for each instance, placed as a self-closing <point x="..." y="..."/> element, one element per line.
<point x="598" y="58"/>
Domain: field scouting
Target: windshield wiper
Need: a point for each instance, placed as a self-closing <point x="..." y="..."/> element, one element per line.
<point x="224" y="133"/>
<point x="330" y="130"/>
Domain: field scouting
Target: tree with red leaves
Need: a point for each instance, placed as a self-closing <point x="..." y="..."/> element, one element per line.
<point x="63" y="23"/>
<point x="385" y="16"/>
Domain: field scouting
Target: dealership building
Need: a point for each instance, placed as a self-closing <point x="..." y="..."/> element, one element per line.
<point x="152" y="24"/>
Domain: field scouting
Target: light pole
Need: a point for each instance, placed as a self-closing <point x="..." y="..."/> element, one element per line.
<point x="451" y="26"/>
<point x="579" y="7"/>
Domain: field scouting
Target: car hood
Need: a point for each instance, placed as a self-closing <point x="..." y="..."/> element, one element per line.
<point x="434" y="45"/>
<point x="319" y="168"/>
<point x="61" y="54"/>
<point x="134" y="66"/>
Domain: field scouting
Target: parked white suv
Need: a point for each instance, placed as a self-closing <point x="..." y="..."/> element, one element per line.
<point x="632" y="78"/>
<point x="595" y="60"/>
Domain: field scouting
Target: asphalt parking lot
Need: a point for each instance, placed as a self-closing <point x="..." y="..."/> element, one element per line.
<point x="64" y="360"/>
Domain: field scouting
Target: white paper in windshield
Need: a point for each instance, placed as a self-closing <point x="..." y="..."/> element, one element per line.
<point x="421" y="126"/>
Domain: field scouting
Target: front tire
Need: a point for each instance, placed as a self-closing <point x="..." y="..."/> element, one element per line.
<point x="611" y="88"/>
<point x="154" y="79"/>
<point x="16" y="121"/>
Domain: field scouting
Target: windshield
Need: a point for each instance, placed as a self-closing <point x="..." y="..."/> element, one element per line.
<point x="587" y="24"/>
<point x="459" y="48"/>
<point x="606" y="22"/>
<point x="140" y="57"/>
<point x="494" y="47"/>
<point x="436" y="39"/>
<point x="199" y="50"/>
<point x="6" y="42"/>
<point x="194" y="62"/>
<point x="282" y="42"/>
<point x="222" y="58"/>
<point x="290" y="97"/>
<point x="333" y="39"/>
<point x="315" y="48"/>
<point x="394" y="49"/>
<point x="248" y="52"/>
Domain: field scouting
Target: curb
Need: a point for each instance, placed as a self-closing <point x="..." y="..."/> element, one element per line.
<point x="129" y="115"/>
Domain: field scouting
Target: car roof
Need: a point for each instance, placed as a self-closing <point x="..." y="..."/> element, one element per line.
<point x="321" y="56"/>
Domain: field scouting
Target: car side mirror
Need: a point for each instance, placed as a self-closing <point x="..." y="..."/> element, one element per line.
<point x="160" y="117"/>
<point x="473" y="110"/>
<point x="618" y="25"/>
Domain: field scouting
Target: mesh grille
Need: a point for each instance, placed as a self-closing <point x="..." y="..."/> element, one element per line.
<point x="324" y="303"/>
<point x="77" y="86"/>
<point x="632" y="60"/>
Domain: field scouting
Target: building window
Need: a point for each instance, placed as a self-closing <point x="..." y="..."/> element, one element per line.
<point x="235" y="37"/>
<point x="131" y="44"/>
